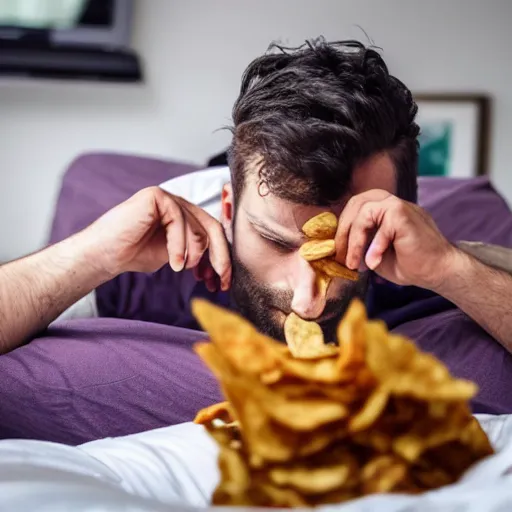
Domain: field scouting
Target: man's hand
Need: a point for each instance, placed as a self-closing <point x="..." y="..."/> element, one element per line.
<point x="396" y="239"/>
<point x="401" y="243"/>
<point x="142" y="234"/>
<point x="153" y="228"/>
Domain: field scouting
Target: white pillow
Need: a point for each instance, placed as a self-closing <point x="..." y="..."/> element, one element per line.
<point x="202" y="188"/>
<point x="175" y="468"/>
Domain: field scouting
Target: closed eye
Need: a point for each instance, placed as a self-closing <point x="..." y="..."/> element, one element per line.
<point x="278" y="244"/>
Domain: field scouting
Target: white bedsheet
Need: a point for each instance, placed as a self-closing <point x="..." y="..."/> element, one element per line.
<point x="175" y="468"/>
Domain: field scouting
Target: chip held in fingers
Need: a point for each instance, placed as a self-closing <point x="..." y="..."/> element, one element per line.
<point x="375" y="415"/>
<point x="321" y="227"/>
<point x="321" y="246"/>
<point x="322" y="282"/>
<point x="332" y="269"/>
<point x="317" y="249"/>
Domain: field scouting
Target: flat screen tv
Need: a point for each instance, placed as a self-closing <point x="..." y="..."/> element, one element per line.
<point x="94" y="44"/>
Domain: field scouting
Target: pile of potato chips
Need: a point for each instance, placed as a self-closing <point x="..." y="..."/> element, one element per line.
<point x="372" y="415"/>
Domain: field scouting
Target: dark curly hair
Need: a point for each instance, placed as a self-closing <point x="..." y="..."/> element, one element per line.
<point x="313" y="113"/>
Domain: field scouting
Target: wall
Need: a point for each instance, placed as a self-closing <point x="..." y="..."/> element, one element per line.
<point x="195" y="52"/>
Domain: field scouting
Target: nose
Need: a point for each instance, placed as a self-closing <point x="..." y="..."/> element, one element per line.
<point x="308" y="301"/>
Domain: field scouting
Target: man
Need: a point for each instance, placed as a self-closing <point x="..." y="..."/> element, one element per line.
<point x="321" y="128"/>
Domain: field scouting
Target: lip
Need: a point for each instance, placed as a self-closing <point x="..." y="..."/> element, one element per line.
<point x="320" y="320"/>
<point x="325" y="319"/>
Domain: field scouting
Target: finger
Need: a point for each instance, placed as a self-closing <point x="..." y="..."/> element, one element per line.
<point x="379" y="245"/>
<point x="196" y="240"/>
<point x="348" y="215"/>
<point x="212" y="284"/>
<point x="209" y="273"/>
<point x="159" y="245"/>
<point x="365" y="222"/>
<point x="203" y="271"/>
<point x="217" y="243"/>
<point x="173" y="222"/>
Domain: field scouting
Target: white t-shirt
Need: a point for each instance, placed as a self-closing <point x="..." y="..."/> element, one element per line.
<point x="175" y="468"/>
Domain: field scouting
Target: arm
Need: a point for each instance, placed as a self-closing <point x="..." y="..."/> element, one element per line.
<point x="483" y="293"/>
<point x="36" y="289"/>
<point x="149" y="230"/>
<point x="401" y="243"/>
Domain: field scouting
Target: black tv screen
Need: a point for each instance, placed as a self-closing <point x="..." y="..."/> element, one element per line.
<point x="92" y="43"/>
<point x="95" y="23"/>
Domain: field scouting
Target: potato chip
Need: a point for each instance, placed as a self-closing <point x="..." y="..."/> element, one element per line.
<point x="473" y="435"/>
<point x="345" y="394"/>
<point x="430" y="433"/>
<point x="332" y="268"/>
<point x="305" y="339"/>
<point x="274" y="496"/>
<point x="303" y="414"/>
<point x="432" y="478"/>
<point x="317" y="249"/>
<point x="271" y="376"/>
<point x="241" y="344"/>
<point x="233" y="468"/>
<point x="383" y="474"/>
<point x="375" y="415"/>
<point x="319" y="370"/>
<point x="371" y="410"/>
<point x="220" y="411"/>
<point x="321" y="227"/>
<point x="322" y="283"/>
<point x="377" y="440"/>
<point x="351" y="337"/>
<point x="311" y="480"/>
<point x="274" y="436"/>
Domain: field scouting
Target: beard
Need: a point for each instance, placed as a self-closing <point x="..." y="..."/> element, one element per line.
<point x="256" y="301"/>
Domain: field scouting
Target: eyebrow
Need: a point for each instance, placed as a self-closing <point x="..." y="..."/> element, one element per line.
<point x="268" y="232"/>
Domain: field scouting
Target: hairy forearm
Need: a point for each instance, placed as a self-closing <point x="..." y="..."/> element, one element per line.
<point x="483" y="293"/>
<point x="36" y="289"/>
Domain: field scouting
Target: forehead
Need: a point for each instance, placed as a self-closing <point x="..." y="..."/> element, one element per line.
<point x="377" y="172"/>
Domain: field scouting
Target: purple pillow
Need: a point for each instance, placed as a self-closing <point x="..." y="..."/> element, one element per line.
<point x="88" y="379"/>
<point x="96" y="182"/>
<point x="467" y="209"/>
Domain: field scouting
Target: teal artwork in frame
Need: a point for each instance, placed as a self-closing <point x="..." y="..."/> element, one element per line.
<point x="454" y="135"/>
<point x="435" y="148"/>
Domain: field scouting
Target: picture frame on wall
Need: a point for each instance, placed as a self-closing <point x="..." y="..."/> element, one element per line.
<point x="454" y="134"/>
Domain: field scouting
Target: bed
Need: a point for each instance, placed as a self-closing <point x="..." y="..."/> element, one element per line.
<point x="133" y="370"/>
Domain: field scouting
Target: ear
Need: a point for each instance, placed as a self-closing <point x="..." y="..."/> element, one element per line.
<point x="227" y="210"/>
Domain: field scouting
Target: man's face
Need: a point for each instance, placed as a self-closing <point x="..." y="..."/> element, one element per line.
<point x="270" y="278"/>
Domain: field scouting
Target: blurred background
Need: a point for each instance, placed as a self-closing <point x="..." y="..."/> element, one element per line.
<point x="159" y="77"/>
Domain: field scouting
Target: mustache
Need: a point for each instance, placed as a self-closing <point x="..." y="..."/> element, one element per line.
<point x="282" y="300"/>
